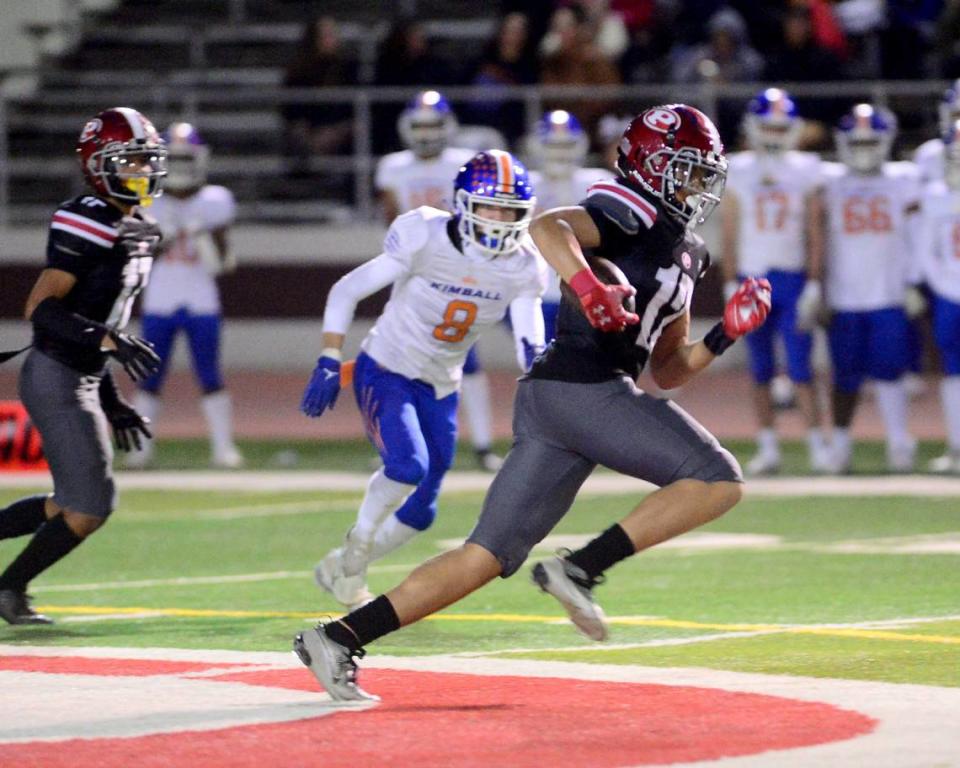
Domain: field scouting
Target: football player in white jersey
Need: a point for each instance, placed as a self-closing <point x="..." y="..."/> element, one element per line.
<point x="195" y="218"/>
<point x="420" y="175"/>
<point x="929" y="155"/>
<point x="453" y="275"/>
<point x="938" y="245"/>
<point x="869" y="203"/>
<point x="770" y="222"/>
<point x="558" y="148"/>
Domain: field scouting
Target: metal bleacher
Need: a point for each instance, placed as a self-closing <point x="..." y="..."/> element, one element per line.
<point x="220" y="64"/>
<point x="179" y="59"/>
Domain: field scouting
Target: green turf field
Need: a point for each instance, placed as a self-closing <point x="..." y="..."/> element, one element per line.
<point x="355" y="455"/>
<point x="221" y="569"/>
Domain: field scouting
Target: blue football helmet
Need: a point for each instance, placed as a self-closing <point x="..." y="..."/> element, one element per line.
<point x="188" y="157"/>
<point x="950" y="108"/>
<point x="771" y="122"/>
<point x="559" y="143"/>
<point x="493" y="179"/>
<point x="427" y="124"/>
<point x="865" y="137"/>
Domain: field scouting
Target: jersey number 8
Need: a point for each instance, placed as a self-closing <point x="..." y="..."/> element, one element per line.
<point x="457" y="319"/>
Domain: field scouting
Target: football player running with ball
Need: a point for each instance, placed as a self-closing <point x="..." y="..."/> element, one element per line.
<point x="99" y="255"/>
<point x="453" y="276"/>
<point x="579" y="407"/>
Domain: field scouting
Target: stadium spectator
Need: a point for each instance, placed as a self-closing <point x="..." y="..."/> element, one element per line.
<point x="862" y="22"/>
<point x="508" y="60"/>
<point x="802" y="59"/>
<point x="607" y="28"/>
<point x="947" y="40"/>
<point x="570" y="57"/>
<point x="647" y="57"/>
<point x="321" y="129"/>
<point x="405" y="59"/>
<point x="726" y="56"/>
<point x="909" y="36"/>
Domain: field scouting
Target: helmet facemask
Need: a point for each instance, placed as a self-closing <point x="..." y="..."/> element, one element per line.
<point x="492" y="236"/>
<point x="691" y="183"/>
<point x="187" y="166"/>
<point x="864" y="154"/>
<point x="772" y="135"/>
<point x="130" y="171"/>
<point x="427" y="132"/>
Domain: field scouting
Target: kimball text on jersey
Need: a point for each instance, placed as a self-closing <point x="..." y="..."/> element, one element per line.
<point x="462" y="290"/>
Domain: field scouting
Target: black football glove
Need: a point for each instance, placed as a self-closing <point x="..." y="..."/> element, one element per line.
<point x="135" y="355"/>
<point x="127" y="426"/>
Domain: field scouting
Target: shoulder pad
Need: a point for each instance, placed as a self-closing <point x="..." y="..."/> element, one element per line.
<point x="89" y="218"/>
<point x="621" y="205"/>
<point x="409" y="232"/>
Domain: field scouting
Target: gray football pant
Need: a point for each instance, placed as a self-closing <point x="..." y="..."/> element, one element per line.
<point x="562" y="431"/>
<point x="64" y="405"/>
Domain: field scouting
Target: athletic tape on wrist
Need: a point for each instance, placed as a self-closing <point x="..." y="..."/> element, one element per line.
<point x="717" y="341"/>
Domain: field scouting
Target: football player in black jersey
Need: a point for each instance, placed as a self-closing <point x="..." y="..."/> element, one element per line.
<point x="99" y="254"/>
<point x="579" y="406"/>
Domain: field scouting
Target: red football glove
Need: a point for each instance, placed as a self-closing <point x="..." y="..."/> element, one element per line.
<point x="747" y="308"/>
<point x="603" y="304"/>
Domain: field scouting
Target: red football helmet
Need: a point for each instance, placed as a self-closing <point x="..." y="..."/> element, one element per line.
<point x="674" y="152"/>
<point x="122" y="155"/>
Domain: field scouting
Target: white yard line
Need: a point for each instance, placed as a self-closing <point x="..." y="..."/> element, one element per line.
<point x="177" y="581"/>
<point x="601" y="483"/>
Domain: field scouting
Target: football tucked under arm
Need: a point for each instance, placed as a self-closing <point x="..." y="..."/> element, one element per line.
<point x="607" y="273"/>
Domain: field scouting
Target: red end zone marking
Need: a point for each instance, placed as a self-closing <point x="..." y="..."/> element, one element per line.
<point x="435" y="720"/>
<point x="79" y="665"/>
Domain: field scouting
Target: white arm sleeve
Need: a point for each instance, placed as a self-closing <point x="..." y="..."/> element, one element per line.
<point x="526" y="317"/>
<point x="357" y="284"/>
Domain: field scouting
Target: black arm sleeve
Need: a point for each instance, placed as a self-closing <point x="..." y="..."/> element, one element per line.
<point x="52" y="317"/>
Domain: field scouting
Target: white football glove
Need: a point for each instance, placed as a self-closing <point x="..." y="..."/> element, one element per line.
<point x="914" y="302"/>
<point x="809" y="306"/>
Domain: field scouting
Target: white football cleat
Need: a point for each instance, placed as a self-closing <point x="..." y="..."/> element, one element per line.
<point x="901" y="458"/>
<point x="821" y="461"/>
<point x="573" y="589"/>
<point x="139" y="459"/>
<point x="332" y="664"/>
<point x="228" y="458"/>
<point x="948" y="464"/>
<point x="763" y="464"/>
<point x="350" y="591"/>
<point x="488" y="461"/>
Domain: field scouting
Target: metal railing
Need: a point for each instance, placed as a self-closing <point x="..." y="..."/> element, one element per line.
<point x="228" y="108"/>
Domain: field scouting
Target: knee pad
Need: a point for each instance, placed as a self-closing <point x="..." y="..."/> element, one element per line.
<point x="410" y="470"/>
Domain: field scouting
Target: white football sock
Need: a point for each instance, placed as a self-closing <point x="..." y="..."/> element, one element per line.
<point x="218" y="411"/>
<point x="383" y="497"/>
<point x="892" y="403"/>
<point x="767" y="442"/>
<point x="147" y="405"/>
<point x="476" y="403"/>
<point x="842" y="445"/>
<point x="950" y="396"/>
<point x="390" y="536"/>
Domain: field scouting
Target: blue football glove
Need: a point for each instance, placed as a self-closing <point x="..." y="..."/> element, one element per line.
<point x="323" y="388"/>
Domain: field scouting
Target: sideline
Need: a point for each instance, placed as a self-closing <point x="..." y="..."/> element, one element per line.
<point x="600" y="483"/>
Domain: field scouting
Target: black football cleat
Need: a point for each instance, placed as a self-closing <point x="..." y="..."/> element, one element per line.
<point x="15" y="609"/>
